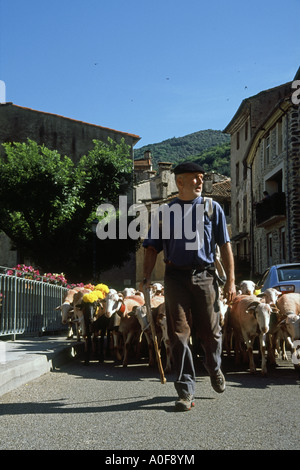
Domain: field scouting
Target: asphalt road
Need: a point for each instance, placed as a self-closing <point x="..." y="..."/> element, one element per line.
<point x="109" y="408"/>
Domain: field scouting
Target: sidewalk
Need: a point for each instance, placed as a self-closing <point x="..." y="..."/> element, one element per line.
<point x="28" y="358"/>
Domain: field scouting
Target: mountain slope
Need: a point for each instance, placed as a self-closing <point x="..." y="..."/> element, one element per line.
<point x="205" y="146"/>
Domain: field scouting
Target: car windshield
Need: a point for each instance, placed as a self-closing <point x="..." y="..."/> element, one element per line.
<point x="263" y="279"/>
<point x="289" y="273"/>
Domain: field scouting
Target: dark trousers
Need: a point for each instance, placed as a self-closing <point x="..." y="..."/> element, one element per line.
<point x="192" y="304"/>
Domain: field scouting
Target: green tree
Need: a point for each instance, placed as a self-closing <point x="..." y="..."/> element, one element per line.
<point x="47" y="204"/>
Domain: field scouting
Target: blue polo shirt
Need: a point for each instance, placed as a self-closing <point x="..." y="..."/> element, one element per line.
<point x="189" y="237"/>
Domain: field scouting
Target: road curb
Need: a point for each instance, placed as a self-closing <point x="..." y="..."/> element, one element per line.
<point x="18" y="372"/>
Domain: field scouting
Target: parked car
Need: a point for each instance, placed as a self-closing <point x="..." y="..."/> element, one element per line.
<point x="283" y="277"/>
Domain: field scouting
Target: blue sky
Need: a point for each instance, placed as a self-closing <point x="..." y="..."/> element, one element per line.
<point x="155" y="68"/>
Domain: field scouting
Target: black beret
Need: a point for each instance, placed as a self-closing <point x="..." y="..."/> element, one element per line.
<point x="188" y="167"/>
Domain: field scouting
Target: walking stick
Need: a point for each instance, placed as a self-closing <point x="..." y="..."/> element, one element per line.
<point x="152" y="326"/>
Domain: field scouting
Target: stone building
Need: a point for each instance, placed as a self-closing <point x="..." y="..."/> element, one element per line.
<point x="143" y="169"/>
<point x="265" y="173"/>
<point x="68" y="136"/>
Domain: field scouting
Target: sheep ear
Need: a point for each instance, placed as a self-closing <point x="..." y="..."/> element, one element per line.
<point x="249" y="310"/>
<point x="253" y="305"/>
<point x="275" y="310"/>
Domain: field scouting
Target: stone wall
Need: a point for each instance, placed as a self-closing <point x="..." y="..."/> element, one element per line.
<point x="294" y="182"/>
<point x="284" y="168"/>
<point x="67" y="136"/>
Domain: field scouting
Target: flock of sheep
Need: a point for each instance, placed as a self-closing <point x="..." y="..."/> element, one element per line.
<point x="271" y="317"/>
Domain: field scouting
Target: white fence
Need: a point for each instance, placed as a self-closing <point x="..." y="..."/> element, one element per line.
<point x="29" y="306"/>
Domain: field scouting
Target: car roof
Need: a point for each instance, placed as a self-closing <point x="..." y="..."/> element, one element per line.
<point x="285" y="265"/>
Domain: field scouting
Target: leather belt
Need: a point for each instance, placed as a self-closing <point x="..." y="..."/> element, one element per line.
<point x="194" y="269"/>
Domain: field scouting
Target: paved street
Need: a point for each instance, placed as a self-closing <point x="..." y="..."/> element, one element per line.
<point x="107" y="407"/>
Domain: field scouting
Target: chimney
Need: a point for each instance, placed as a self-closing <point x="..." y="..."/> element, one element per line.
<point x="164" y="178"/>
<point x="208" y="184"/>
<point x="164" y="166"/>
<point x="148" y="156"/>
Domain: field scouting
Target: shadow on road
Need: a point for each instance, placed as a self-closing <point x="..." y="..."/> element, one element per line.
<point x="161" y="403"/>
<point x="283" y="374"/>
<point x="236" y="376"/>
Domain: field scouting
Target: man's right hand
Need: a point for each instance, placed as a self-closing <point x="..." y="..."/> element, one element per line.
<point x="145" y="284"/>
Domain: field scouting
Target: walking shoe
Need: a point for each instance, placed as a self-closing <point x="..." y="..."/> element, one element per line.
<point x="218" y="382"/>
<point x="184" y="403"/>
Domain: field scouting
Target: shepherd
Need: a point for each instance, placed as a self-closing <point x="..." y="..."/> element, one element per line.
<point x="191" y="283"/>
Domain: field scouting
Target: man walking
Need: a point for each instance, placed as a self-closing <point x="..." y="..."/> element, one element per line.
<point x="191" y="286"/>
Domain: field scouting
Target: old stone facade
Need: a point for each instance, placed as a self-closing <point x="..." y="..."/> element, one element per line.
<point x="67" y="136"/>
<point x="265" y="170"/>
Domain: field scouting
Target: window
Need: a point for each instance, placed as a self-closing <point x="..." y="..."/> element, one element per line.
<point x="245" y="250"/>
<point x="260" y="255"/>
<point x="288" y="273"/>
<point x="267" y="150"/>
<point x="237" y="173"/>
<point x="237" y="140"/>
<point x="245" y="208"/>
<point x="237" y="214"/>
<point x="274" y="181"/>
<point x="269" y="249"/>
<point x="226" y="208"/>
<point x="279" y="137"/>
<point x="282" y="245"/>
<point x="245" y="170"/>
<point x="264" y="277"/>
<point x="257" y="261"/>
<point x="246" y="130"/>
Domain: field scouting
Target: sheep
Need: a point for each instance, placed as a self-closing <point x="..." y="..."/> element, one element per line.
<point x="289" y="303"/>
<point x="270" y="296"/>
<point x="247" y="287"/>
<point x="249" y="318"/>
<point x="285" y="329"/>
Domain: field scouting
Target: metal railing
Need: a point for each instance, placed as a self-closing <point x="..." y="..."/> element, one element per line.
<point x="29" y="306"/>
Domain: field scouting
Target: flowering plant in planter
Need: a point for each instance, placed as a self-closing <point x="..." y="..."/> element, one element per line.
<point x="28" y="272"/>
<point x="58" y="279"/>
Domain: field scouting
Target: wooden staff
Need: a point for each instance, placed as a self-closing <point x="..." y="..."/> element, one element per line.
<point x="152" y="326"/>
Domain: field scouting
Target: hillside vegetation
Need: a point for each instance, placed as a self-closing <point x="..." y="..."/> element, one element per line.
<point x="209" y="148"/>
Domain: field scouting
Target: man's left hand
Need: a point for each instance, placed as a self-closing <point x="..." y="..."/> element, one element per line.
<point x="229" y="291"/>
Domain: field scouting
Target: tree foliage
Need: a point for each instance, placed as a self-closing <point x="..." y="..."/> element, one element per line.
<point x="184" y="148"/>
<point x="47" y="204"/>
<point x="215" y="159"/>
